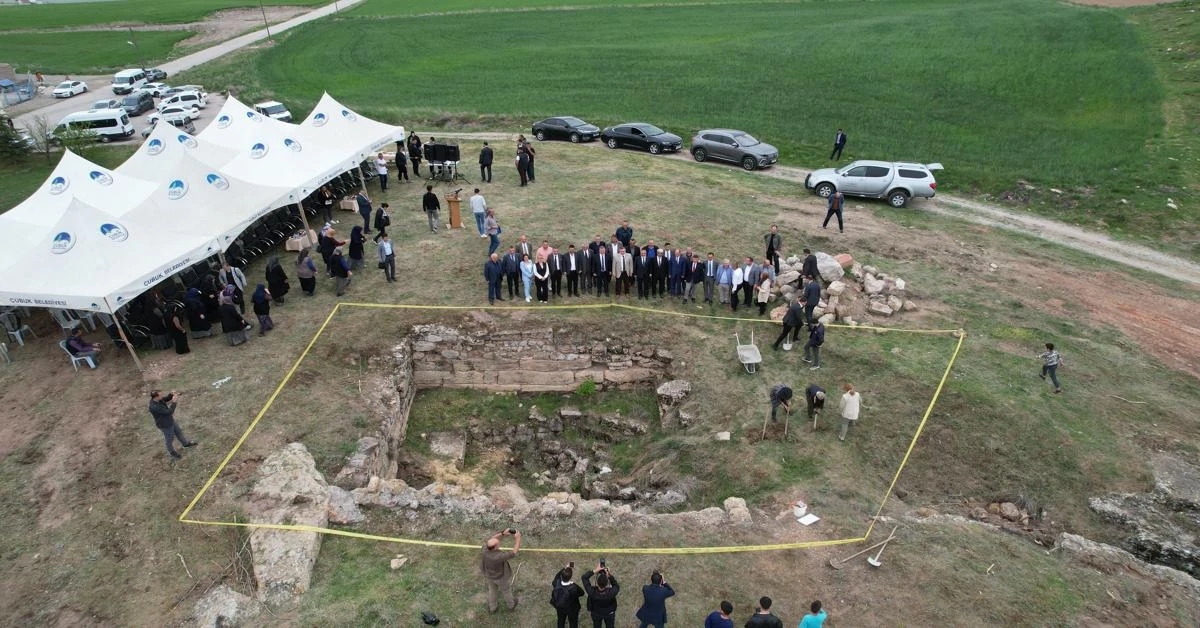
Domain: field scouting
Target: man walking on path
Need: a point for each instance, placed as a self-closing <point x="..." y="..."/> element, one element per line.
<point x="485" y="163"/>
<point x="1051" y="360"/>
<point x="792" y="322"/>
<point x="836" y="200"/>
<point x="479" y="210"/>
<point x="851" y="402"/>
<point x="812" y="349"/>
<point x="781" y="395"/>
<point x="431" y="205"/>
<point x="163" y="410"/>
<point x="494" y="567"/>
<point x="839" y="142"/>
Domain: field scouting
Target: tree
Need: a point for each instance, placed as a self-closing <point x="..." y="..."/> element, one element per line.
<point x="13" y="147"/>
<point x="42" y="134"/>
<point x="48" y="139"/>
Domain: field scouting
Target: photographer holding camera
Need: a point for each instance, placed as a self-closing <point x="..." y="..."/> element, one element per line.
<point x="602" y="598"/>
<point x="494" y="567"/>
<point x="564" y="597"/>
<point x="162" y="408"/>
<point x="653" y="611"/>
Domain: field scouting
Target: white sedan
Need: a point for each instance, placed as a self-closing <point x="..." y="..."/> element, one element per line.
<point x="175" y="113"/>
<point x="67" y="89"/>
<point x="156" y="89"/>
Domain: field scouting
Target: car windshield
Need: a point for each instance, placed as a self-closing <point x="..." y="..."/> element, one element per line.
<point x="131" y="100"/>
<point x="846" y="168"/>
<point x="64" y="85"/>
<point x="274" y="109"/>
<point x="745" y="139"/>
<point x="102" y="104"/>
<point x="573" y="122"/>
<point x="650" y="129"/>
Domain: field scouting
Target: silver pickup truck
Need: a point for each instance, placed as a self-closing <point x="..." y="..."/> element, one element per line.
<point x="895" y="181"/>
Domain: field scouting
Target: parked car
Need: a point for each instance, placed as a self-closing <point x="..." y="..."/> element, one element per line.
<point x="155" y="74"/>
<point x="137" y="102"/>
<point x="179" y="123"/>
<point x="895" y="181"/>
<point x="641" y="135"/>
<point x="174" y="112"/>
<point x="190" y="97"/>
<point x="105" y="125"/>
<point x="274" y="109"/>
<point x="110" y="103"/>
<point x="67" y="89"/>
<point x="185" y="88"/>
<point x="128" y="81"/>
<point x="565" y="128"/>
<point x="738" y="147"/>
<point x="156" y="89"/>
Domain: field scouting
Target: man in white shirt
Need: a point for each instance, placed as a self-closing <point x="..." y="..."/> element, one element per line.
<point x="735" y="285"/>
<point x="851" y="402"/>
<point x="479" y="209"/>
<point x="381" y="170"/>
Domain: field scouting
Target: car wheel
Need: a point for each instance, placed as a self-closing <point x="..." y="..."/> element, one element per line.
<point x="654" y="149"/>
<point x="540" y="135"/>
<point x="612" y="142"/>
<point x="699" y="154"/>
<point x="104" y="139"/>
<point x="85" y="89"/>
<point x="748" y="163"/>
<point x="898" y="198"/>
<point x="825" y="190"/>
<point x="574" y="138"/>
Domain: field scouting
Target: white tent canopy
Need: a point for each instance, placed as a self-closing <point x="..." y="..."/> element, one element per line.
<point x="164" y="148"/>
<point x="341" y="128"/>
<point x="78" y="178"/>
<point x="92" y="260"/>
<point x="277" y="152"/>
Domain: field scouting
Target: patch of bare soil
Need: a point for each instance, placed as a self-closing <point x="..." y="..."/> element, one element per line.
<point x="215" y="28"/>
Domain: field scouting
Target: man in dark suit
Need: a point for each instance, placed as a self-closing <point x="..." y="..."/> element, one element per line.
<point x="642" y="273"/>
<point x="512" y="271"/>
<point x="810" y="265"/>
<point x="812" y="294"/>
<point x="653" y="611"/>
<point x="792" y="322"/>
<point x="485" y="163"/>
<point x="693" y="273"/>
<point x="585" y="258"/>
<point x="711" y="266"/>
<point x="677" y="266"/>
<point x="524" y="247"/>
<point x="633" y="248"/>
<point x="571" y="266"/>
<point x="595" y="245"/>
<point x="750" y="273"/>
<point x="662" y="268"/>
<point x="556" y="272"/>
<point x="839" y="142"/>
<point x="624" y="233"/>
<point x="602" y="270"/>
<point x="493" y="272"/>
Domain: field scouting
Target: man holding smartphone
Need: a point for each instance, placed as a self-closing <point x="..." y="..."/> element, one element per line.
<point x="602" y="598"/>
<point x="163" y="410"/>
<point x="494" y="567"/>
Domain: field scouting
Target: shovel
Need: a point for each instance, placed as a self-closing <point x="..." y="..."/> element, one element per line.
<point x="786" y="421"/>
<point x="838" y="564"/>
<point x="874" y="560"/>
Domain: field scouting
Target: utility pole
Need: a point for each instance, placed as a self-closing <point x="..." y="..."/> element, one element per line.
<point x="265" y="23"/>
<point x="138" y="51"/>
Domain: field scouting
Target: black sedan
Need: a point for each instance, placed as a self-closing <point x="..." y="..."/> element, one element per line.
<point x="565" y="128"/>
<point x="641" y="135"/>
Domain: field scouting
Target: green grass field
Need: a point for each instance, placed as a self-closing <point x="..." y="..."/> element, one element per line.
<point x="1059" y="96"/>
<point x="49" y="16"/>
<point x="107" y="51"/>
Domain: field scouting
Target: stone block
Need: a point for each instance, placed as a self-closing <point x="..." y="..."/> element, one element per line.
<point x="472" y="378"/>
<point x="522" y="377"/>
<point x="452" y="445"/>
<point x="629" y="375"/>
<point x="428" y="379"/>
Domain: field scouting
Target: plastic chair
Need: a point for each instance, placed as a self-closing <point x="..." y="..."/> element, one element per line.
<point x="15" y="328"/>
<point x="75" y="359"/>
<point x="85" y="316"/>
<point x="4" y="353"/>
<point x="67" y="323"/>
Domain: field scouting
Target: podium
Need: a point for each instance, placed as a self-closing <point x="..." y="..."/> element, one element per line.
<point x="455" y="210"/>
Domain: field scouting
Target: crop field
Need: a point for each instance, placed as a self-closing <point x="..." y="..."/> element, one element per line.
<point x="51" y="16"/>
<point x="1015" y="98"/>
<point x="59" y="53"/>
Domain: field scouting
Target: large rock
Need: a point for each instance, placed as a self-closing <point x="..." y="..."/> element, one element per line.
<point x="225" y="608"/>
<point x="873" y="285"/>
<point x="895" y="303"/>
<point x="837" y="288"/>
<point x="670" y="395"/>
<point x="879" y="308"/>
<point x="845" y="259"/>
<point x="452" y="445"/>
<point x="342" y="509"/>
<point x="788" y="277"/>
<point x="829" y="267"/>
<point x="359" y="464"/>
<point x="289" y="491"/>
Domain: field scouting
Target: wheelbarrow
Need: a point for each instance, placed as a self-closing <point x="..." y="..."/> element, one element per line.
<point x="748" y="354"/>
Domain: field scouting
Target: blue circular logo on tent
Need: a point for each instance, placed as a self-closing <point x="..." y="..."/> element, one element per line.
<point x="59" y="184"/>
<point x="292" y="145"/>
<point x="319" y="119"/>
<point x="114" y="232"/>
<point x="224" y="121"/>
<point x="254" y="116"/>
<point x="349" y="115"/>
<point x="62" y="243"/>
<point x="217" y="181"/>
<point x="100" y="177"/>
<point x="177" y="189"/>
<point x="258" y="151"/>
<point x="187" y="140"/>
<point x="155" y="146"/>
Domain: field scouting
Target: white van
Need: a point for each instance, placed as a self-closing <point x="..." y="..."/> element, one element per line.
<point x="106" y="124"/>
<point x="186" y="99"/>
<point x="126" y="81"/>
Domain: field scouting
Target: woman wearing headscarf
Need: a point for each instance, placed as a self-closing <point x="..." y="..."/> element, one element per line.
<point x="176" y="313"/>
<point x="232" y="323"/>
<point x="356" y="248"/>
<point x="262" y="309"/>
<point x="197" y="314"/>
<point x="210" y="290"/>
<point x="277" y="280"/>
<point x="764" y="292"/>
<point x="306" y="271"/>
<point x="527" y="276"/>
<point x="327" y="246"/>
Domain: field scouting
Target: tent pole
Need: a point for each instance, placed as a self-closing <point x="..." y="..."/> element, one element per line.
<point x="221" y="256"/>
<point x="124" y="338"/>
<point x="304" y="219"/>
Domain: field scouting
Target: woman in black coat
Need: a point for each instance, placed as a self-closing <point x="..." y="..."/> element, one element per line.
<point x="198" y="317"/>
<point x="232" y="324"/>
<point x="277" y="281"/>
<point x="210" y="290"/>
<point x="356" y="248"/>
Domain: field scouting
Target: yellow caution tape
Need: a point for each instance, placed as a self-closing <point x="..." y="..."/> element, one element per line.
<point x="183" y="516"/>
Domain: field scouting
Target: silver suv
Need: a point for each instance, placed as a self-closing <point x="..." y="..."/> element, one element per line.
<point x="895" y="181"/>
<point x="738" y="147"/>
